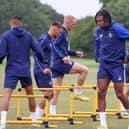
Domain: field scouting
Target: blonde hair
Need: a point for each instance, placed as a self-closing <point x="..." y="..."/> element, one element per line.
<point x="69" y="18"/>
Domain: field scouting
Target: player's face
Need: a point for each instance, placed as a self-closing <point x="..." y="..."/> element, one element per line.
<point x="100" y="22"/>
<point x="57" y="31"/>
<point x="71" y="24"/>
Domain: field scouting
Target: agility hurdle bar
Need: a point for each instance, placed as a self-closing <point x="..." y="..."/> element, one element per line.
<point x="70" y="119"/>
<point x="72" y="114"/>
<point x="45" y="122"/>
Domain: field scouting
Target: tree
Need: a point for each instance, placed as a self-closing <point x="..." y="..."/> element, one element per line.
<point x="119" y="11"/>
<point x="83" y="35"/>
<point x="36" y="16"/>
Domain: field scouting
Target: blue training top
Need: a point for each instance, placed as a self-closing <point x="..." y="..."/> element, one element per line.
<point x="110" y="43"/>
<point x="16" y="44"/>
<point x="60" y="47"/>
<point x="45" y="43"/>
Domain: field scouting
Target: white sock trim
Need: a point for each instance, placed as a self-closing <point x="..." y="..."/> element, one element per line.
<point x="39" y="112"/>
<point x="52" y="109"/>
<point x="77" y="91"/>
<point x="103" y="120"/>
<point x="3" y="118"/>
<point x="33" y="116"/>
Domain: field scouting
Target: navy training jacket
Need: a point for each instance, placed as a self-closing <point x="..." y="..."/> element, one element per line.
<point x="60" y="47"/>
<point x="15" y="44"/>
<point x="45" y="43"/>
<point x="110" y="43"/>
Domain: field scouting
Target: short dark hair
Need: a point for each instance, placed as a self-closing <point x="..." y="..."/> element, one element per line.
<point x="16" y="18"/>
<point x="106" y="15"/>
<point x="57" y="24"/>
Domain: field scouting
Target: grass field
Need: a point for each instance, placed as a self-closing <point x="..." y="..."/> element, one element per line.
<point x="63" y="103"/>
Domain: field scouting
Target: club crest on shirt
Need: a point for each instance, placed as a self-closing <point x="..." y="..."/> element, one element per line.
<point x="110" y="35"/>
<point x="100" y="36"/>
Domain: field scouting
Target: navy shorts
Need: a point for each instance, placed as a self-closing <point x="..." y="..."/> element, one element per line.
<point x="11" y="81"/>
<point x="59" y="69"/>
<point x="113" y="72"/>
<point x="127" y="73"/>
<point x="43" y="80"/>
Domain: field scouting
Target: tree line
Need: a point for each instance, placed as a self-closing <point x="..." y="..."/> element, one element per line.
<point x="37" y="18"/>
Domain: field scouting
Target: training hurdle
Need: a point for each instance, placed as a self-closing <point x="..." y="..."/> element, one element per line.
<point x="119" y="110"/>
<point x="71" y="114"/>
<point x="68" y="117"/>
<point x="110" y="112"/>
<point x="45" y="122"/>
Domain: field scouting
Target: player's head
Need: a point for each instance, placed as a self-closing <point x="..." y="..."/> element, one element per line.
<point x="69" y="22"/>
<point x="15" y="21"/>
<point x="103" y="18"/>
<point x="55" y="29"/>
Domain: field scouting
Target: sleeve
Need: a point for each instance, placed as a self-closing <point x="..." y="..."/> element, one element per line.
<point x="56" y="44"/>
<point x="42" y="44"/>
<point x="3" y="48"/>
<point x="38" y="51"/>
<point x="127" y="53"/>
<point x="97" y="47"/>
<point x="71" y="53"/>
<point x="122" y="32"/>
<point x="40" y="65"/>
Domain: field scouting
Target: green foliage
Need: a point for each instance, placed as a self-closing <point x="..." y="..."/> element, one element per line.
<point x="83" y="35"/>
<point x="37" y="17"/>
<point x="119" y="11"/>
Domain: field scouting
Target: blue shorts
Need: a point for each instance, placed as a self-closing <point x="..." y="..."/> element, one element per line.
<point x="59" y="69"/>
<point x="11" y="81"/>
<point x="113" y="72"/>
<point x="43" y="80"/>
<point x="127" y="73"/>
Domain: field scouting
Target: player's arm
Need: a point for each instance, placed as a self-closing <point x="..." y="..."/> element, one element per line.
<point x="122" y="32"/>
<point x="38" y="51"/>
<point x="72" y="53"/>
<point x="126" y="59"/>
<point x="43" y="67"/>
<point x="56" y="46"/>
<point x="97" y="47"/>
<point x="42" y="43"/>
<point x="3" y="48"/>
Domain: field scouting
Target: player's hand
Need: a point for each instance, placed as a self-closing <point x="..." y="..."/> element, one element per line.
<point x="79" y="53"/>
<point x="46" y="71"/>
<point x="66" y="60"/>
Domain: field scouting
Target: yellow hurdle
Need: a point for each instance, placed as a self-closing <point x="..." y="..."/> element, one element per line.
<point x="68" y="117"/>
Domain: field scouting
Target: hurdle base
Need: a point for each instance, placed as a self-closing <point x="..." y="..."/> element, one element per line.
<point x="119" y="116"/>
<point x="93" y="117"/>
<point x="72" y="122"/>
<point x="19" y="118"/>
<point x="46" y="125"/>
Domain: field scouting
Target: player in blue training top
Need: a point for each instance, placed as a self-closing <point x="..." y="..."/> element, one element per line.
<point x="42" y="71"/>
<point x="110" y="53"/>
<point x="61" y="64"/>
<point x="15" y="44"/>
